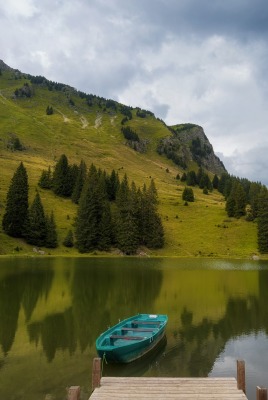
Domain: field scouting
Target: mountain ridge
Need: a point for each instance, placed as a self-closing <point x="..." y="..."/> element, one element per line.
<point x="90" y="128"/>
<point x="182" y="133"/>
<point x="5" y="67"/>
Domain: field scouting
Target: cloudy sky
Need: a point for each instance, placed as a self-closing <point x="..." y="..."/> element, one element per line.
<point x="198" y="61"/>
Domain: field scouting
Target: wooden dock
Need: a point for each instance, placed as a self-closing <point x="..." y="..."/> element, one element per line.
<point x="144" y="388"/>
<point x="168" y="388"/>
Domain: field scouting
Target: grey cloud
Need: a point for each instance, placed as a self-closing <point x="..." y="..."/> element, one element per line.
<point x="242" y="18"/>
<point x="161" y="110"/>
<point x="252" y="164"/>
<point x="187" y="61"/>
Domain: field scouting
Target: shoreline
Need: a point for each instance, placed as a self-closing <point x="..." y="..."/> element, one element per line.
<point x="138" y="257"/>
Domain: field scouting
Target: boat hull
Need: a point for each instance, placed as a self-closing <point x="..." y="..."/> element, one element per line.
<point x="119" y="355"/>
<point x="132" y="338"/>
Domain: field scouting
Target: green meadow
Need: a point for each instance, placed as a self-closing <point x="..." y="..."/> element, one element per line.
<point x="201" y="229"/>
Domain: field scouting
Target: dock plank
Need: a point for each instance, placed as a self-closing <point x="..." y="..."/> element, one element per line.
<point x="144" y="388"/>
<point x="143" y="380"/>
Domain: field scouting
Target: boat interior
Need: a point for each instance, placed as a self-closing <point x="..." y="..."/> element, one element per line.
<point x="134" y="331"/>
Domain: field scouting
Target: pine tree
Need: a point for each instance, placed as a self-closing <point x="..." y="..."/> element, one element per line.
<point x="139" y="214"/>
<point x="236" y="201"/>
<point x="263" y="233"/>
<point x="17" y="203"/>
<point x="215" y="182"/>
<point x="73" y="171"/>
<point x="155" y="236"/>
<point x="135" y="212"/>
<point x="126" y="233"/>
<point x="45" y="180"/>
<point x="79" y="183"/>
<point x="36" y="224"/>
<point x="152" y="228"/>
<point x="263" y="221"/>
<point x="188" y="194"/>
<point x="183" y="177"/>
<point x="228" y="186"/>
<point x="153" y="195"/>
<point x="254" y="194"/>
<point x="205" y="182"/>
<point x="223" y="183"/>
<point x="49" y="110"/>
<point x="199" y="175"/>
<point x="112" y="185"/>
<point x="123" y="195"/>
<point x="90" y="211"/>
<point x="69" y="239"/>
<point x="230" y="205"/>
<point x="240" y="201"/>
<point x="61" y="177"/>
<point x="127" y="238"/>
<point x="51" y="234"/>
<point x="87" y="215"/>
<point x="191" y="178"/>
<point x="105" y="227"/>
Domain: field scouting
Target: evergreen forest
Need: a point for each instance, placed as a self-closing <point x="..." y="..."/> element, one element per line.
<point x="110" y="212"/>
<point x="83" y="174"/>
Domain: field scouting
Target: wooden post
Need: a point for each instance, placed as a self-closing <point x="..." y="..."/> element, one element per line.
<point x="241" y="376"/>
<point x="96" y="373"/>
<point x="74" y="393"/>
<point x="261" y="393"/>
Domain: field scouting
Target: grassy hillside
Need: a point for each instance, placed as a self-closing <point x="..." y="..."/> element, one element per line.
<point x="93" y="133"/>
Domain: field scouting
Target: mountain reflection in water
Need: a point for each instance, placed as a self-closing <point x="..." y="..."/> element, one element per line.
<point x="52" y="311"/>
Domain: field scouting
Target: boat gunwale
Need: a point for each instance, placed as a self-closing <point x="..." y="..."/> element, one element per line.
<point x="155" y="333"/>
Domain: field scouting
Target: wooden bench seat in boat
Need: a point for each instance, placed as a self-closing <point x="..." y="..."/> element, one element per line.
<point x="139" y="329"/>
<point x="125" y="337"/>
<point x="146" y="322"/>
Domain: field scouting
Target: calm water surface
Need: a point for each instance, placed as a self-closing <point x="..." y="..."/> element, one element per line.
<point x="52" y="310"/>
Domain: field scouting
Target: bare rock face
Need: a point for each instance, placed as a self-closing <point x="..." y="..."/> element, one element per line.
<point x="188" y="143"/>
<point x="4" y="67"/>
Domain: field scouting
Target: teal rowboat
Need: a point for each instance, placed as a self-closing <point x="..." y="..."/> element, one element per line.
<point x="131" y="338"/>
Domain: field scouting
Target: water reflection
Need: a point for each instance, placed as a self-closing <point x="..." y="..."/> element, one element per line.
<point x="16" y="291"/>
<point x="9" y="311"/>
<point x="138" y="367"/>
<point x="253" y="348"/>
<point x="198" y="344"/>
<point x="55" y="332"/>
<point x="52" y="310"/>
<point x="99" y="293"/>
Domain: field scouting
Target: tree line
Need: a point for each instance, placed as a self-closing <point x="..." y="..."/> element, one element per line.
<point x="130" y="221"/>
<point x="90" y="99"/>
<point x="247" y="199"/>
<point x="243" y="198"/>
<point x="114" y="213"/>
<point x="28" y="222"/>
<point x="201" y="179"/>
<point x="111" y="212"/>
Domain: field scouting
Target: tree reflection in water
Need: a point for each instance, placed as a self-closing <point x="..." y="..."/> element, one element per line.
<point x="64" y="304"/>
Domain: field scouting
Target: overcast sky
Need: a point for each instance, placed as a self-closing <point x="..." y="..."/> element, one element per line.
<point x="198" y="61"/>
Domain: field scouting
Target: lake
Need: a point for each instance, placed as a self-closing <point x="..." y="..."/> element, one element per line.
<point x="53" y="309"/>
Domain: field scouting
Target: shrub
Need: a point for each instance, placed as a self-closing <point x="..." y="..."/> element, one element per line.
<point x="188" y="194"/>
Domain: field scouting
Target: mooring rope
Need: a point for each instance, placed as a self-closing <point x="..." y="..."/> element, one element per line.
<point x="102" y="362"/>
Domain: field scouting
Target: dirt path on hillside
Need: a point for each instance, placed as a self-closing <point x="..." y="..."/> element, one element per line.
<point x="65" y="119"/>
<point x="98" y="121"/>
<point x="113" y="120"/>
<point x="84" y="122"/>
<point x="2" y="98"/>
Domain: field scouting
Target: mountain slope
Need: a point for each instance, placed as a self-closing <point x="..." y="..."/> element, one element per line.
<point x="89" y="127"/>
